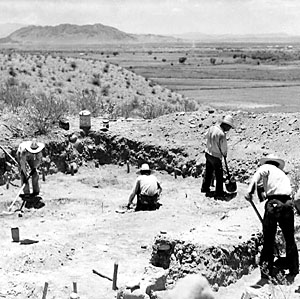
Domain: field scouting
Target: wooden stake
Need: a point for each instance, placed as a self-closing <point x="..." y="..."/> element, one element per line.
<point x="114" y="285"/>
<point x="45" y="290"/>
<point x="75" y="287"/>
<point x="128" y="166"/>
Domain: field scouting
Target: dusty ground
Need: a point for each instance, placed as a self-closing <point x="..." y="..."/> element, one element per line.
<point x="82" y="227"/>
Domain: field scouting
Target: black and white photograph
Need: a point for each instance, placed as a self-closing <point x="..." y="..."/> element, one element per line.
<point x="149" y="149"/>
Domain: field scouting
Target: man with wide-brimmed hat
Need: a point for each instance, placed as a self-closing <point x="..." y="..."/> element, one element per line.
<point x="147" y="189"/>
<point x="216" y="149"/>
<point x="30" y="153"/>
<point x="278" y="209"/>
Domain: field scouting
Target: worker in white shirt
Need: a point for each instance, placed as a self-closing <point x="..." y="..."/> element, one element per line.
<point x="216" y="149"/>
<point x="30" y="153"/>
<point x="279" y="209"/>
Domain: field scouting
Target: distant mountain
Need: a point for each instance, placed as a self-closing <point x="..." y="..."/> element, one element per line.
<point x="267" y="37"/>
<point x="8" y="28"/>
<point x="77" y="34"/>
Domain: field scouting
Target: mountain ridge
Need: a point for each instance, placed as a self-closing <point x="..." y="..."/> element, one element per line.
<point x="78" y="34"/>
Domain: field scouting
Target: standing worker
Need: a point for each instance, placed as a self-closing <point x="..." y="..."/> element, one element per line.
<point x="216" y="149"/>
<point x="30" y="153"/>
<point x="279" y="209"/>
<point x="147" y="189"/>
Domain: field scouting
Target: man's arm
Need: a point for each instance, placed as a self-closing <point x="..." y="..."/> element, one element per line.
<point x="252" y="186"/>
<point x="159" y="188"/>
<point x="133" y="193"/>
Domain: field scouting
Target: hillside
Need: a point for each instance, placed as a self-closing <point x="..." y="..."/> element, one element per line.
<point x="77" y="34"/>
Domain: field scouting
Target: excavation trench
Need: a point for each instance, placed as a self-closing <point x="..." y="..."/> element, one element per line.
<point x="221" y="264"/>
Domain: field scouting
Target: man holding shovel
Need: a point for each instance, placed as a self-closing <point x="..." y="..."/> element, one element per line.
<point x="30" y="153"/>
<point x="279" y="209"/>
<point x="216" y="149"/>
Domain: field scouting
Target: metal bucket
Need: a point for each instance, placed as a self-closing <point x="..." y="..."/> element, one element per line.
<point x="105" y="123"/>
<point x="230" y="185"/>
<point x="85" y="120"/>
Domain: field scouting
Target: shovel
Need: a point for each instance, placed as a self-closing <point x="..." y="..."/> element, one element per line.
<point x="230" y="183"/>
<point x="9" y="210"/>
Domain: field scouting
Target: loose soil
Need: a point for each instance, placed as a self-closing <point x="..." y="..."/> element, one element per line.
<point x="84" y="225"/>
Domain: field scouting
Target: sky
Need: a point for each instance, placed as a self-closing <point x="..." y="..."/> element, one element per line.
<point x="161" y="16"/>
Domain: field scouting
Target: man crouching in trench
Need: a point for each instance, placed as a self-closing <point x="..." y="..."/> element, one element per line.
<point x="147" y="189"/>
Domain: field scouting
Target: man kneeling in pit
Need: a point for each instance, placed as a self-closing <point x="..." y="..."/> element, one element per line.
<point x="147" y="189"/>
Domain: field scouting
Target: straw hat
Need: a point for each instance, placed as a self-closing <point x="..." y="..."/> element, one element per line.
<point x="272" y="158"/>
<point x="144" y="167"/>
<point x="34" y="147"/>
<point x="228" y="120"/>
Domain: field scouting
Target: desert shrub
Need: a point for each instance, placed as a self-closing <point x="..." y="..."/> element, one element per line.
<point x="42" y="112"/>
<point x="182" y="59"/>
<point x="88" y="100"/>
<point x="212" y="60"/>
<point x="106" y="68"/>
<point x="12" y="72"/>
<point x="105" y="90"/>
<point x="13" y="96"/>
<point x="73" y="65"/>
<point x="96" y="81"/>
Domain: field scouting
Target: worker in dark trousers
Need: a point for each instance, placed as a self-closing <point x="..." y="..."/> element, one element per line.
<point x="279" y="209"/>
<point x="29" y="154"/>
<point x="216" y="149"/>
<point x="147" y="189"/>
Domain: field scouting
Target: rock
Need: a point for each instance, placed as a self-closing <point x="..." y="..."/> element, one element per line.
<point x="154" y="280"/>
<point x="136" y="294"/>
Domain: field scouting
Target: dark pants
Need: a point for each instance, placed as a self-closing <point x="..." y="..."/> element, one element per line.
<point x="213" y="164"/>
<point x="279" y="211"/>
<point x="147" y="203"/>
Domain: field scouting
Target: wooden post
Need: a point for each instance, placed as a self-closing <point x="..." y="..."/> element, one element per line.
<point x="128" y="166"/>
<point x="45" y="290"/>
<point x="75" y="287"/>
<point x="114" y="285"/>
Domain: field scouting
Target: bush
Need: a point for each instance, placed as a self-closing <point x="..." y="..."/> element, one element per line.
<point x="182" y="59"/>
<point x="44" y="111"/>
<point x="12" y="95"/>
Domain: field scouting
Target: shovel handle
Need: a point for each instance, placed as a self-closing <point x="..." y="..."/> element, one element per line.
<point x="10" y="156"/>
<point x="12" y="204"/>
<point x="256" y="211"/>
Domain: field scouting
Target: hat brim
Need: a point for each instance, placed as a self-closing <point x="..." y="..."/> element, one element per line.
<point x="37" y="150"/>
<point x="145" y="170"/>
<point x="228" y="123"/>
<point x="277" y="160"/>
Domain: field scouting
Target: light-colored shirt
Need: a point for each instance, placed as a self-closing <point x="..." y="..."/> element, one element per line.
<point x="273" y="179"/>
<point x="216" y="142"/>
<point x="24" y="156"/>
<point x="146" y="185"/>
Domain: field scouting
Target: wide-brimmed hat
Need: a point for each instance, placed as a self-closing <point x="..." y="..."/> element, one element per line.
<point x="272" y="158"/>
<point x="228" y="119"/>
<point x="144" y="168"/>
<point x="34" y="147"/>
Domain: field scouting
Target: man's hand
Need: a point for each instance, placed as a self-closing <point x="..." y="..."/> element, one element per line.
<point x="32" y="172"/>
<point x="249" y="196"/>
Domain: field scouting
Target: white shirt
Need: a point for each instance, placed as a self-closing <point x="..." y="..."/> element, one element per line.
<point x="146" y="185"/>
<point x="216" y="142"/>
<point x="273" y="179"/>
